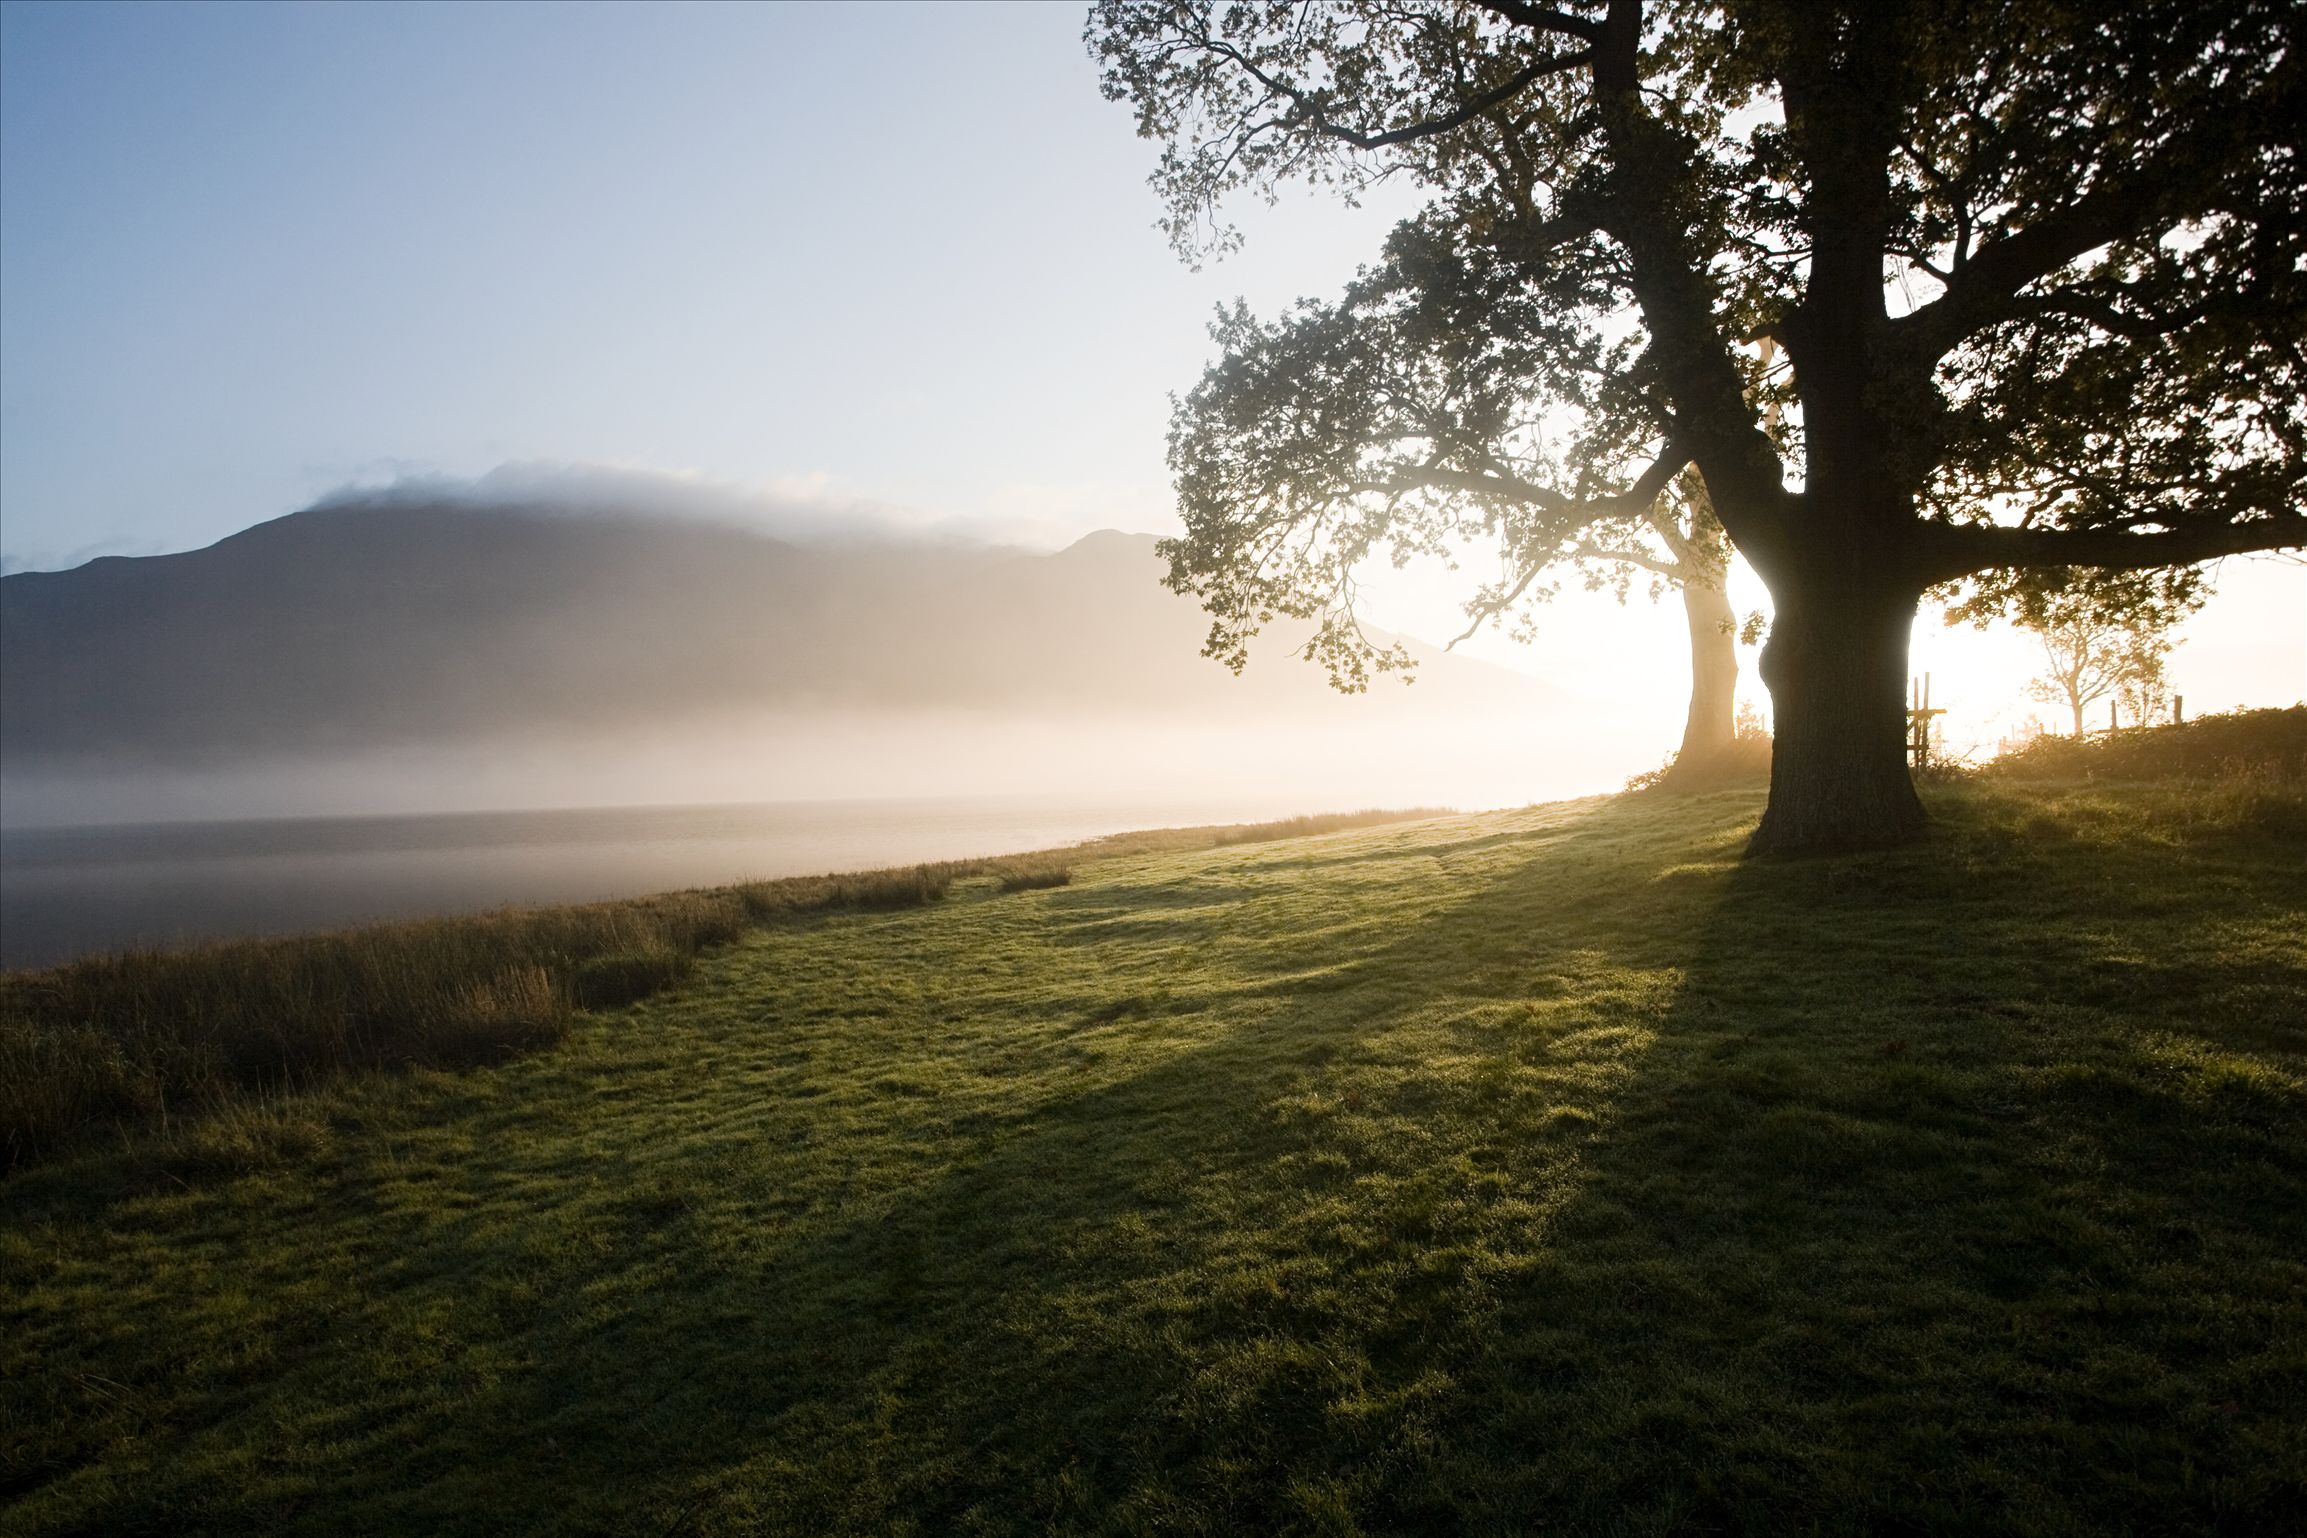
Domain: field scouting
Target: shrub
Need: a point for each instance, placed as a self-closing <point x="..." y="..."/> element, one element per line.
<point x="2269" y="746"/>
<point x="1746" y="761"/>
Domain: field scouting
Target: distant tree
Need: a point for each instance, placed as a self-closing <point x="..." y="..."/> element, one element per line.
<point x="2038" y="272"/>
<point x="2104" y="634"/>
<point x="2143" y="695"/>
<point x="1684" y="548"/>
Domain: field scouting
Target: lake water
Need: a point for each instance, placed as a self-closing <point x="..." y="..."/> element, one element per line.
<point x="71" y="891"/>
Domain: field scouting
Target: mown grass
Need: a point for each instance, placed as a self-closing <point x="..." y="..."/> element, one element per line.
<point x="1545" y="1171"/>
<point x="215" y="1046"/>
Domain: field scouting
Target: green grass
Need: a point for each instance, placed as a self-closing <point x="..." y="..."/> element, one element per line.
<point x="1550" y="1171"/>
<point x="213" y="1034"/>
<point x="212" y="1044"/>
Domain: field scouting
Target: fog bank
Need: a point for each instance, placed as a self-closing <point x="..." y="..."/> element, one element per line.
<point x="1240" y="769"/>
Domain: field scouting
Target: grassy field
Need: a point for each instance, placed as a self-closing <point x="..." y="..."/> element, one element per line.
<point x="1548" y="1171"/>
<point x="217" y="1047"/>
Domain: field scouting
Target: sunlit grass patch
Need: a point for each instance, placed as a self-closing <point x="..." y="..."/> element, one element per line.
<point x="1166" y="840"/>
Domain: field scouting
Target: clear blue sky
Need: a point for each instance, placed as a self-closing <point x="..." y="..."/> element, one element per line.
<point x="250" y="253"/>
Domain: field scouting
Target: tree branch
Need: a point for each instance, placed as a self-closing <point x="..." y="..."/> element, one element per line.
<point x="2102" y="313"/>
<point x="1956" y="550"/>
<point x="1544" y="19"/>
<point x="2168" y="184"/>
<point x="1670" y="532"/>
<point x="1633" y="499"/>
<point x="1310" y="111"/>
<point x="1483" y="613"/>
<point x="1588" y="551"/>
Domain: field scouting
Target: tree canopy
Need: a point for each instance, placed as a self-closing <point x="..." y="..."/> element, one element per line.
<point x="2033" y="276"/>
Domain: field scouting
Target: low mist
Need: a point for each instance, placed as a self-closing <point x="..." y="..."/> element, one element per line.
<point x="1243" y="768"/>
<point x="456" y="684"/>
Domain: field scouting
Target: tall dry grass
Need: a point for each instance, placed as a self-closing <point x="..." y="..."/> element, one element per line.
<point x="140" y="1037"/>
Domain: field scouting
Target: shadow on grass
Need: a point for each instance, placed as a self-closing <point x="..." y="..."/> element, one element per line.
<point x="1724" y="1196"/>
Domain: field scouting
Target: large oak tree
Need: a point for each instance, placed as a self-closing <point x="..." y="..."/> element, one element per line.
<point x="2034" y="277"/>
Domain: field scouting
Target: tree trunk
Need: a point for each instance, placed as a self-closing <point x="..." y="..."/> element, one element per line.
<point x="1836" y="667"/>
<point x="1706" y="731"/>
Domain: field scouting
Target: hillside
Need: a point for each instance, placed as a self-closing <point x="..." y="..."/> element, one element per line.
<point x="1552" y="1170"/>
<point x="356" y="627"/>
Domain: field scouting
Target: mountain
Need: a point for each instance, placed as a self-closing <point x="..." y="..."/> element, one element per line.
<point x="355" y="627"/>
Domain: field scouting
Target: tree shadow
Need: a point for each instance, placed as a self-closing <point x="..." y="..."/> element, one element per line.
<point x="1973" y="1213"/>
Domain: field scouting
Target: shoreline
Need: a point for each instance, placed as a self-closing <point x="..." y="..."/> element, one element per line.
<point x="100" y="889"/>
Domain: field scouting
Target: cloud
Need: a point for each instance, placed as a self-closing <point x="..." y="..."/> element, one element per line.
<point x="814" y="508"/>
<point x="810" y="509"/>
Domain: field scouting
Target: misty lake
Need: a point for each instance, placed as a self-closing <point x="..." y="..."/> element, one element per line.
<point x="66" y="892"/>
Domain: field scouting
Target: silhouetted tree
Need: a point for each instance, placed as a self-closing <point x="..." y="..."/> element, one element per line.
<point x="2037" y="272"/>
<point x="1313" y="441"/>
<point x="2103" y="633"/>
